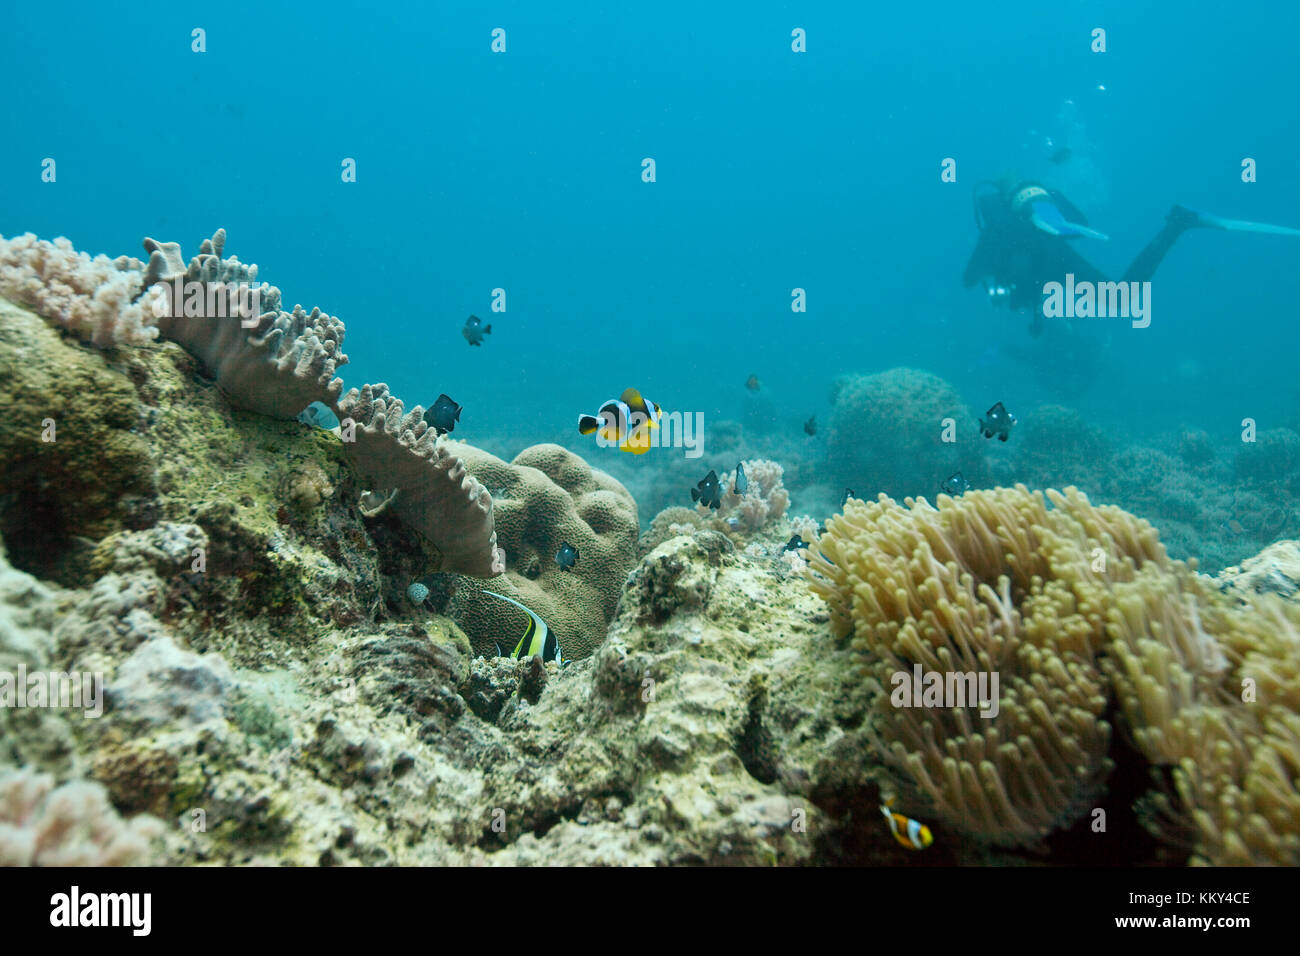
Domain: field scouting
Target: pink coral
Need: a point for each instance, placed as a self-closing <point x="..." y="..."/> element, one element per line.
<point x="765" y="498"/>
<point x="92" y="298"/>
<point x="73" y="825"/>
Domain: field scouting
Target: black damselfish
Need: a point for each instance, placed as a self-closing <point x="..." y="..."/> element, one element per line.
<point x="997" y="421"/>
<point x="708" y="492"/>
<point x="566" y="557"/>
<point x="474" y="330"/>
<point x="444" y="415"/>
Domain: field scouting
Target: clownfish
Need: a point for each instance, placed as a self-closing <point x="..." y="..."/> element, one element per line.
<point x="538" y="640"/>
<point x="910" y="833"/>
<point x="625" y="422"/>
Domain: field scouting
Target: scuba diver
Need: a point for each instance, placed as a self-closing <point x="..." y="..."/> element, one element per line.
<point x="1024" y="243"/>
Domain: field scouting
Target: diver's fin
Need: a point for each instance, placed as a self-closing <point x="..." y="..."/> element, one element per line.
<point x="1048" y="218"/>
<point x="1233" y="225"/>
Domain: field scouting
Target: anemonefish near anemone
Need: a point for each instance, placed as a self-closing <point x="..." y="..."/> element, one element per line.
<point x="625" y="422"/>
<point x="538" y="640"/>
<point x="910" y="833"/>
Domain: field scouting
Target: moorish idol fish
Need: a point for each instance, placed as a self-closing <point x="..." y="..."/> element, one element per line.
<point x="625" y="422"/>
<point x="538" y="640"/>
<point x="908" y="832"/>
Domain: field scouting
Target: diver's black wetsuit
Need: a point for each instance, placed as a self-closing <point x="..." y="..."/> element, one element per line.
<point x="1020" y="258"/>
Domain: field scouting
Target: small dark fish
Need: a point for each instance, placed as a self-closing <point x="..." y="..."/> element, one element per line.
<point x="708" y="492"/>
<point x="474" y="330"/>
<point x="444" y="415"/>
<point x="795" y="543"/>
<point x="741" y="482"/>
<point x="997" y="421"/>
<point x="753" y="384"/>
<point x="1061" y="155"/>
<point x="848" y="493"/>
<point x="955" y="484"/>
<point x="567" y="556"/>
<point x="810" y="426"/>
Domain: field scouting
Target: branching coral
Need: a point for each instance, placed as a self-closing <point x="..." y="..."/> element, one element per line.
<point x="764" y="499"/>
<point x="435" y="496"/>
<point x="73" y="825"/>
<point x="95" y="299"/>
<point x="993" y="583"/>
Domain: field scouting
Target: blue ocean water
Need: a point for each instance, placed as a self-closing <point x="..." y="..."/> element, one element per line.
<point x="775" y="170"/>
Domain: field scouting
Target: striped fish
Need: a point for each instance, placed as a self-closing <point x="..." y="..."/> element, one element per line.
<point x="908" y="832"/>
<point x="538" y="640"/>
<point x="625" y="422"/>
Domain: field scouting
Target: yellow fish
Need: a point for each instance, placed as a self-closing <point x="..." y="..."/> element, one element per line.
<point x="625" y="422"/>
<point x="538" y="640"/>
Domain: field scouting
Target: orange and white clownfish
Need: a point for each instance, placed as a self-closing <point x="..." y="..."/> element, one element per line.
<point x="910" y="833"/>
<point x="625" y="422"/>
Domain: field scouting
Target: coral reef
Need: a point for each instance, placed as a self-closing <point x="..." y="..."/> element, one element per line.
<point x="543" y="498"/>
<point x="764" y="499"/>
<point x="1206" y="503"/>
<point x="95" y="299"/>
<point x="1272" y="458"/>
<point x="752" y="518"/>
<point x="988" y="583"/>
<point x="1275" y="570"/>
<point x="1057" y="446"/>
<point x="73" y="825"/>
<point x="886" y="434"/>
<point x="278" y="364"/>
<point x="287" y="683"/>
<point x="397" y="451"/>
<point x="73" y="466"/>
<point x="1211" y="690"/>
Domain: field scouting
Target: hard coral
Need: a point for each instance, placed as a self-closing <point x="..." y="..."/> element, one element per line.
<point x="545" y="497"/>
<point x="886" y="434"/>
